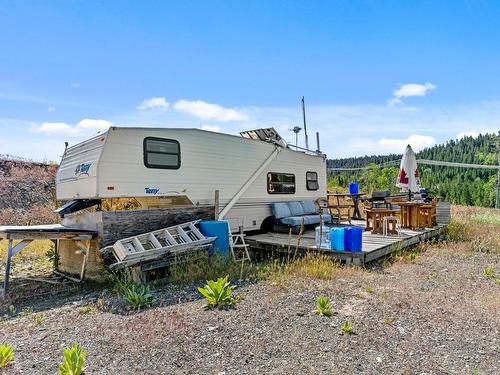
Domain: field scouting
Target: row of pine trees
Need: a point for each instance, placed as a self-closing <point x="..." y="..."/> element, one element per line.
<point x="465" y="186"/>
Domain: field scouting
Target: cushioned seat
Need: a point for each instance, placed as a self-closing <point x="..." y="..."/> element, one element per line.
<point x="294" y="212"/>
<point x="308" y="220"/>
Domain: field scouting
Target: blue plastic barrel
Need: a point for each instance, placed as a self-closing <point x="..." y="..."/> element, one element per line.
<point x="337" y="238"/>
<point x="353" y="238"/>
<point x="220" y="230"/>
<point x="353" y="188"/>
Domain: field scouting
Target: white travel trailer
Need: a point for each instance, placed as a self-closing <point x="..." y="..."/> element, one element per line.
<point x="165" y="167"/>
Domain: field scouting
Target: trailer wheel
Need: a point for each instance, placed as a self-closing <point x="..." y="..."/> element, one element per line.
<point x="267" y="224"/>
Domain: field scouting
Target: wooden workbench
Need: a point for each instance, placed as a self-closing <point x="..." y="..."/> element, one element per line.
<point x="26" y="234"/>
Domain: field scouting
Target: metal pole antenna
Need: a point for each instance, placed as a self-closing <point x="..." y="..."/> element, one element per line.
<point x="304" y="117"/>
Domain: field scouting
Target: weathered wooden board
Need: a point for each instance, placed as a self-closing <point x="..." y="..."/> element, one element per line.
<point x="121" y="224"/>
<point x="115" y="225"/>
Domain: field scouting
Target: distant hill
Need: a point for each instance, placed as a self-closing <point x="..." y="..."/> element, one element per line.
<point x="457" y="185"/>
<point x="27" y="191"/>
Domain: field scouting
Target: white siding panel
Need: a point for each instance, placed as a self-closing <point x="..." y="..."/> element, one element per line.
<point x="77" y="173"/>
<point x="209" y="161"/>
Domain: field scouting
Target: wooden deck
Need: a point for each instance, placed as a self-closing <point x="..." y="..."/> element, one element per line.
<point x="374" y="246"/>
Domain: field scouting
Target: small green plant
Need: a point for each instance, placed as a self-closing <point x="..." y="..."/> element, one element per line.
<point x="347" y="327"/>
<point x="413" y="255"/>
<point x="11" y="310"/>
<point x="39" y="319"/>
<point x="88" y="309"/>
<point x="137" y="296"/>
<point x="323" y="306"/>
<point x="218" y="293"/>
<point x="73" y="360"/>
<point x="388" y="320"/>
<point x="488" y="272"/>
<point x="6" y="354"/>
<point x="52" y="255"/>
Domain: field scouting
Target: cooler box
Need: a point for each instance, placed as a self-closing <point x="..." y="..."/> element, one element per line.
<point x="353" y="238"/>
<point x="219" y="229"/>
<point x="337" y="239"/>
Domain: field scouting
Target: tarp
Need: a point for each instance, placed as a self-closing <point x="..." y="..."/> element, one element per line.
<point x="408" y="177"/>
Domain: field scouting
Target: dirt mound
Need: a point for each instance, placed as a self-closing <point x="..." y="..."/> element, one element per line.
<point x="27" y="191"/>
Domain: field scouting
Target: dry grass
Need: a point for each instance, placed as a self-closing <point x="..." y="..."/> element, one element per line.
<point x="33" y="257"/>
<point x="480" y="227"/>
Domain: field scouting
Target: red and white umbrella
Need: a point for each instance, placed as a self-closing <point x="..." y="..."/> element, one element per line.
<point x="408" y="178"/>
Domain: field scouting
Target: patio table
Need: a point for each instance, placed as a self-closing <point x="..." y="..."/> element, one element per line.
<point x="354" y="205"/>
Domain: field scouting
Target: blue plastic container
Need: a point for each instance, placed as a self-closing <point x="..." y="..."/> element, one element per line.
<point x="337" y="239"/>
<point x="220" y="230"/>
<point x="353" y="238"/>
<point x="353" y="188"/>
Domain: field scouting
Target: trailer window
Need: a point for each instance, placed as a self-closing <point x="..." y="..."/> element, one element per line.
<point x="312" y="181"/>
<point x="162" y="153"/>
<point x="280" y="183"/>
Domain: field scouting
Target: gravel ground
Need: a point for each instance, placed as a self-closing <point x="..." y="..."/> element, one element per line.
<point x="438" y="314"/>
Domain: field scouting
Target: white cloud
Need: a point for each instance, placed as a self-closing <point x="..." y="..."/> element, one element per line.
<point x="75" y="85"/>
<point x="383" y="146"/>
<point x="209" y="111"/>
<point x="51" y="109"/>
<point x="94" y="124"/>
<point x="84" y="127"/>
<point x="411" y="89"/>
<point x="417" y="142"/>
<point x="211" y="128"/>
<point x="57" y="128"/>
<point x="154" y="103"/>
<point x="475" y="133"/>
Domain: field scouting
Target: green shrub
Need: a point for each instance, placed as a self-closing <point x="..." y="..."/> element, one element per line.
<point x="347" y="327"/>
<point x="196" y="267"/>
<point x="218" y="293"/>
<point x="323" y="306"/>
<point x="6" y="354"/>
<point x="73" y="360"/>
<point x="457" y="230"/>
<point x="137" y="296"/>
<point x="52" y="255"/>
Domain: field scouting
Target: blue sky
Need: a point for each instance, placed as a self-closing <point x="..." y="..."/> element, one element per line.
<point x="376" y="74"/>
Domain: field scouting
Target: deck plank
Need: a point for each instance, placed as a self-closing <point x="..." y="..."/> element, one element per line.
<point x="374" y="245"/>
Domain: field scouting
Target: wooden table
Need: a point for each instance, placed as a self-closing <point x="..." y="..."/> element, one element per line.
<point x="354" y="205"/>
<point x="410" y="215"/>
<point x="375" y="218"/>
<point x="26" y="234"/>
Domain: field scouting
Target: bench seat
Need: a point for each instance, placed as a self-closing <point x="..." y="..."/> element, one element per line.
<point x="292" y="213"/>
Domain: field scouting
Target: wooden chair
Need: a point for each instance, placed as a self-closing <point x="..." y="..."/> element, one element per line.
<point x="367" y="206"/>
<point x="427" y="215"/>
<point x="338" y="209"/>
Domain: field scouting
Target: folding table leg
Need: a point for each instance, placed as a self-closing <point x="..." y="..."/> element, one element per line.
<point x="11" y="251"/>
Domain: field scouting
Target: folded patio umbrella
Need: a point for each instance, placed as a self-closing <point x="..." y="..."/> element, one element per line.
<point x="408" y="177"/>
